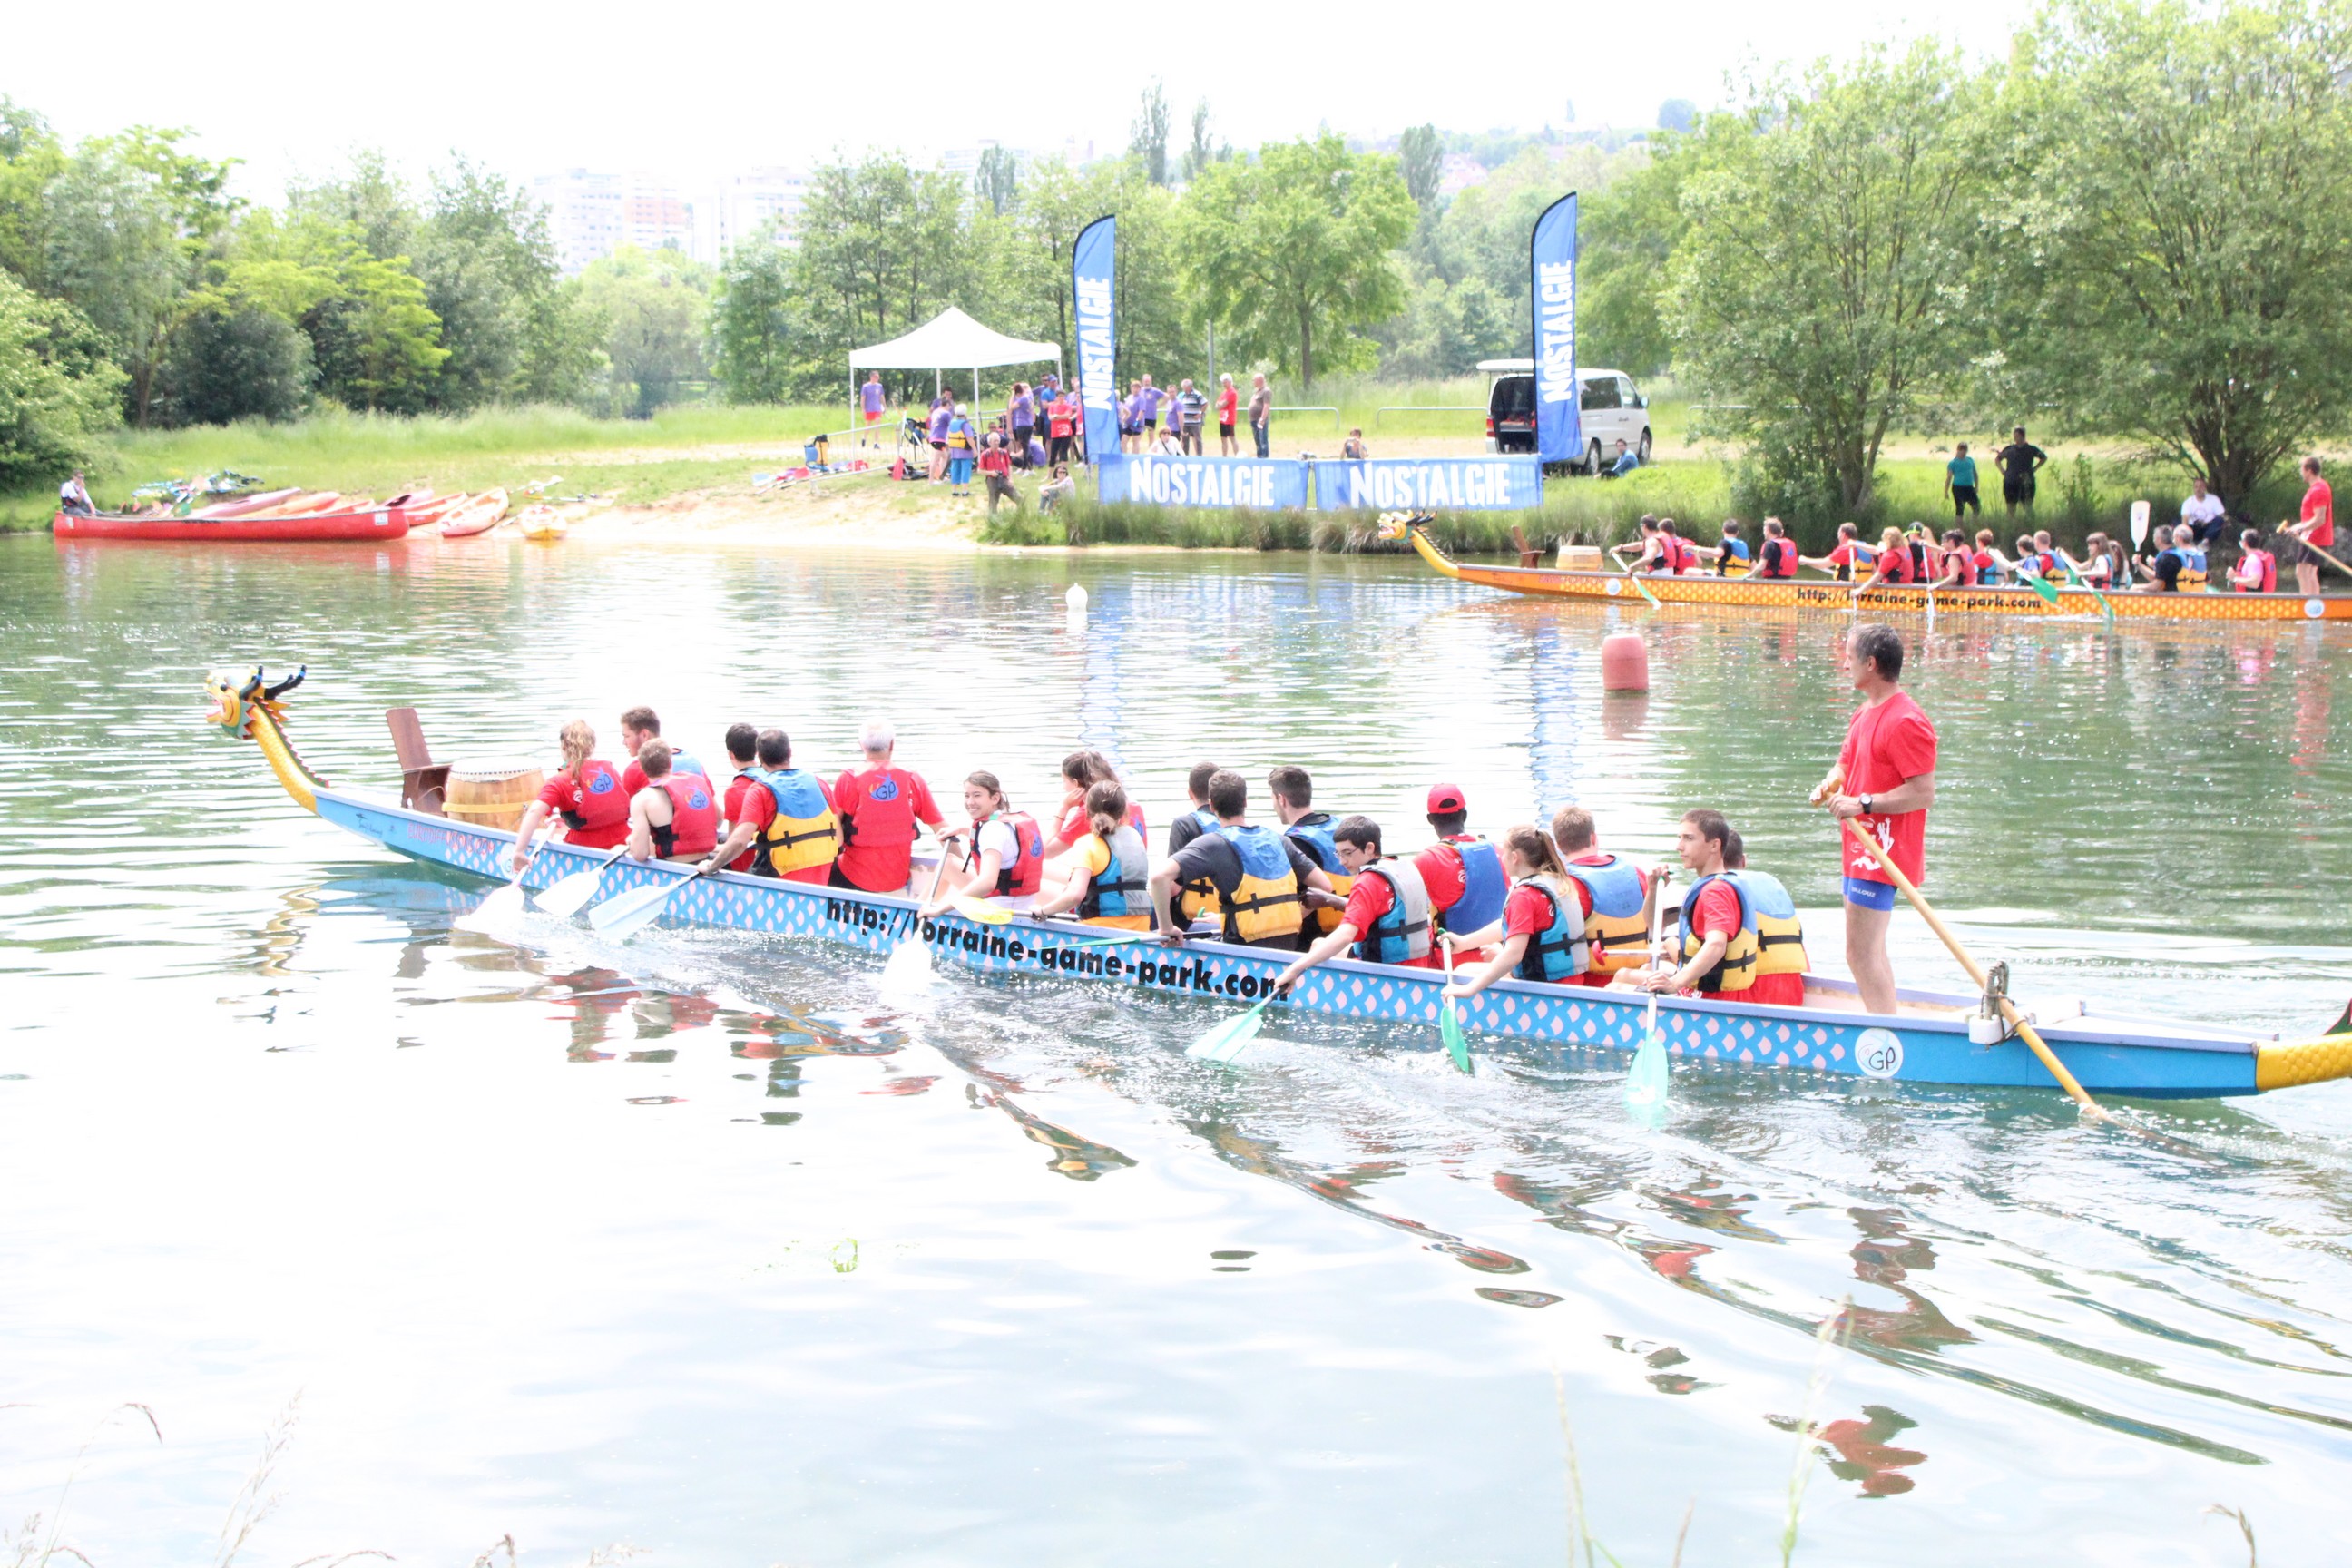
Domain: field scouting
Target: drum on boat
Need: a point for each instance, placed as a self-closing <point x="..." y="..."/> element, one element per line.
<point x="492" y="793"/>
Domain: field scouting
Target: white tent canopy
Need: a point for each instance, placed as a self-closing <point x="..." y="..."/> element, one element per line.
<point x="952" y="338"/>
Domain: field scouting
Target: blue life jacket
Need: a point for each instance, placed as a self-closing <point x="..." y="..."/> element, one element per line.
<point x="1560" y="951"/>
<point x="1769" y="941"/>
<point x="1989" y="575"/>
<point x="1119" y="888"/>
<point x="1615" y="930"/>
<point x="1313" y="834"/>
<point x="1484" y="887"/>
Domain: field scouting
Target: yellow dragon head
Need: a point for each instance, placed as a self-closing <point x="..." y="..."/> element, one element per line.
<point x="248" y="708"/>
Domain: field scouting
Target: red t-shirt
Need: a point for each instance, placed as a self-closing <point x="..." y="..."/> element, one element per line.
<point x="1885" y="744"/>
<point x="1526" y="912"/>
<point x="1718" y="910"/>
<point x="880" y="867"/>
<point x="753" y="803"/>
<point x="1229" y="401"/>
<point x="1059" y="417"/>
<point x="1370" y="898"/>
<point x="1893" y="566"/>
<point x="1073" y="821"/>
<point x="562" y="794"/>
<point x="1441" y="873"/>
<point x="996" y="460"/>
<point x="2319" y="501"/>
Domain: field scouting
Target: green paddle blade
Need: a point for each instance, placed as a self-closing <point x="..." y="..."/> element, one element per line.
<point x="2043" y="586"/>
<point x="1449" y="1029"/>
<point x="1226" y="1042"/>
<point x="623" y="915"/>
<point x="1645" y="1085"/>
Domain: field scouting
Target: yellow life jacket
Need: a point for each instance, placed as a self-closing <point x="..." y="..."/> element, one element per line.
<point x="1313" y="832"/>
<point x="804" y="832"/>
<point x="1265" y="902"/>
<point x="1194" y="899"/>
<point x="1769" y="941"/>
<point x="2191" y="579"/>
<point x="1619" y="937"/>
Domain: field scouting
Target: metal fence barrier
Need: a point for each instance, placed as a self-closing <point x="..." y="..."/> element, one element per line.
<point x="1427" y="409"/>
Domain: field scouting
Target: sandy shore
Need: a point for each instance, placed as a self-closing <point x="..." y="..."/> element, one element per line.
<point x="840" y="512"/>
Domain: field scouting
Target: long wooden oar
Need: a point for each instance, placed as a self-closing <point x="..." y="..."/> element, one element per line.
<point x="2322" y="554"/>
<point x="2017" y="1021"/>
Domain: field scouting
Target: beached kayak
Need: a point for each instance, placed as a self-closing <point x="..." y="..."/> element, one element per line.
<point x="1820" y="594"/>
<point x="477" y="514"/>
<point x="374" y="526"/>
<point x="1929" y="1041"/>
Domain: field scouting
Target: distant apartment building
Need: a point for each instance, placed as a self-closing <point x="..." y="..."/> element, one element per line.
<point x="740" y="205"/>
<point x="592" y="215"/>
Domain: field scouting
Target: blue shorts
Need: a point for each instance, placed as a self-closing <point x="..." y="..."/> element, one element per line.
<point x="1879" y="895"/>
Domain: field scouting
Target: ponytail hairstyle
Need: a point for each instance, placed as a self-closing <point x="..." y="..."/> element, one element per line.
<point x="579" y="743"/>
<point x="1534" y="845"/>
<point x="988" y="781"/>
<point x="1105" y="808"/>
<point x="1089" y="768"/>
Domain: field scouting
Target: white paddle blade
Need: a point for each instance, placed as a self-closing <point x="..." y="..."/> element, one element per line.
<point x="624" y="914"/>
<point x="2139" y="515"/>
<point x="1229" y="1039"/>
<point x="501" y="908"/>
<point x="569" y="897"/>
<point x="909" y="967"/>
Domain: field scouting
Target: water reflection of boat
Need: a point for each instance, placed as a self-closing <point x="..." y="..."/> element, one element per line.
<point x="1606" y="587"/>
<point x="1929" y="1041"/>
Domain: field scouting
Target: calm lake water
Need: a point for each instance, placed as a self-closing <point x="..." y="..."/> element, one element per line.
<point x="705" y="1245"/>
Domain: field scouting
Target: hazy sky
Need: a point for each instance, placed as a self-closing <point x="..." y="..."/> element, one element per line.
<point x="695" y="90"/>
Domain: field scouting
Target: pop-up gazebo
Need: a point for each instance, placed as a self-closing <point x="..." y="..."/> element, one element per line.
<point x="949" y="338"/>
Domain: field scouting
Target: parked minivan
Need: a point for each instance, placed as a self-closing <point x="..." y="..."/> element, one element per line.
<point x="1612" y="408"/>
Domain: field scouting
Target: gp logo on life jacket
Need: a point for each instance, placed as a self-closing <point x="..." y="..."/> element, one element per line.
<point x="603" y="783"/>
<point x="886" y="790"/>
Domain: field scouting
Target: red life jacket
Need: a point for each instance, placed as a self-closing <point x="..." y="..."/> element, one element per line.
<point x="1895" y="566"/>
<point x="881" y="816"/>
<point x="603" y="820"/>
<point x="693" y="826"/>
<point x="2269" y="583"/>
<point x="1679" y="554"/>
<point x="1028" y="856"/>
<point x="1777" y="558"/>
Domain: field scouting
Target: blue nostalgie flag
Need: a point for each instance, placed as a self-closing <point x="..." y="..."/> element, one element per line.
<point x="1551" y="277"/>
<point x="1097" y="368"/>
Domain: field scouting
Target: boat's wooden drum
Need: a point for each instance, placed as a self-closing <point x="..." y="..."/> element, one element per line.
<point x="492" y="793"/>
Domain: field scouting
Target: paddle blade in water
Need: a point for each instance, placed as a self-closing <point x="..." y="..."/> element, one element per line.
<point x="909" y="967"/>
<point x="501" y="908"/>
<point x="1645" y="1085"/>
<point x="1449" y="1029"/>
<point x="569" y="896"/>
<point x="2048" y="591"/>
<point x="623" y="915"/>
<point x="1226" y="1042"/>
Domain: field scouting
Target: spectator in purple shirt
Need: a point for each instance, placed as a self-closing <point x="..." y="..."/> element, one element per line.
<point x="872" y="392"/>
<point x="942" y="415"/>
<point x="1147" y="405"/>
<point x="1022" y="413"/>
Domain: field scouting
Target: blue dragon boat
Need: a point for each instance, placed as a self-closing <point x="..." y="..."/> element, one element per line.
<point x="1936" y="1039"/>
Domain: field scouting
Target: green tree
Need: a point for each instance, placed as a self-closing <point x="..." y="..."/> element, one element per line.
<point x="374" y="339"/>
<point x="240" y="363"/>
<point x="1822" y="285"/>
<point x="996" y="179"/>
<point x="564" y="350"/>
<point x="488" y="263"/>
<point x="1420" y="158"/>
<point x="1205" y="147"/>
<point x="880" y="248"/>
<point x="2177" y="266"/>
<point x="30" y="157"/>
<point x="58" y="391"/>
<point x="1294" y="251"/>
<point x="655" y="305"/>
<point x="1148" y="138"/>
<point x="754" y="338"/>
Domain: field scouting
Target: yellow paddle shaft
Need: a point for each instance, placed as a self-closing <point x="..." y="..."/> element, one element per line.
<point x="2031" y="1036"/>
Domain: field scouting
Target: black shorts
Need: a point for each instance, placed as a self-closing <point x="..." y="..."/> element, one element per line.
<point x="1152" y="422"/>
<point x="1964" y="501"/>
<point x="2018" y="491"/>
<point x="2307" y="555"/>
<point x="1224" y="430"/>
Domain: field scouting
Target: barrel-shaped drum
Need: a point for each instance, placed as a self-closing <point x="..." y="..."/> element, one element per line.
<point x="492" y="793"/>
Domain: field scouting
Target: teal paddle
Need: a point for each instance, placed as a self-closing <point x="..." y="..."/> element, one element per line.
<point x="1228" y="1040"/>
<point x="1645" y="1085"/>
<point x="624" y="915"/>
<point x="1449" y="1020"/>
<point x="565" y="897"/>
<point x="2077" y="577"/>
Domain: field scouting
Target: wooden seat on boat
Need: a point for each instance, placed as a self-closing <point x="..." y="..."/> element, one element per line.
<point x="422" y="782"/>
<point x="1528" y="555"/>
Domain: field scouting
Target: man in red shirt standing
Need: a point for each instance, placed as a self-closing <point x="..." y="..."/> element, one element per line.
<point x="1885" y="782"/>
<point x="880" y="805"/>
<point x="2316" y="531"/>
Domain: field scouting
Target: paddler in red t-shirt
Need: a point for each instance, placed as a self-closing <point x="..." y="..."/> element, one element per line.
<point x="1885" y="782"/>
<point x="1740" y="941"/>
<point x="880" y="805"/>
<point x="586" y="793"/>
<point x="2316" y="531"/>
<point x="1621" y="892"/>
<point x="640" y="725"/>
<point x="1388" y="917"/>
<point x="742" y="807"/>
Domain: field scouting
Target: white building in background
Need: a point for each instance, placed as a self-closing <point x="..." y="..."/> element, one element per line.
<point x="592" y="215"/>
<point x="740" y="205"/>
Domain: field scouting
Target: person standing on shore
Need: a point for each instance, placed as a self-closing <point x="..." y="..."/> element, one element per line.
<point x="1061" y="415"/>
<point x="1960" y="483"/>
<point x="1188" y="411"/>
<point x="1022" y="414"/>
<point x="2019" y="462"/>
<point x="1261" y="409"/>
<point x="874" y="399"/>
<point x="2316" y="532"/>
<point x="1228" y="402"/>
<point x="1884" y="783"/>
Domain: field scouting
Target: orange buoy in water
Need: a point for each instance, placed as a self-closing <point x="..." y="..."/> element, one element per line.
<point x="1624" y="662"/>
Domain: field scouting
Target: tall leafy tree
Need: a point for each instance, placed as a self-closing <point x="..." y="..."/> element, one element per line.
<point x="1148" y="138"/>
<point x="489" y="266"/>
<point x="1292" y="251"/>
<point x="2174" y="256"/>
<point x="996" y="179"/>
<point x="655" y="305"/>
<point x="30" y="157"/>
<point x="755" y="340"/>
<point x="1420" y="158"/>
<point x="1820" y="285"/>
<point x="881" y="249"/>
<point x="58" y="391"/>
<point x="1205" y="148"/>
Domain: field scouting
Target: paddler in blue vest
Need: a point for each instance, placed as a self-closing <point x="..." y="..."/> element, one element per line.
<point x="1387" y="916"/>
<point x="784" y="817"/>
<point x="1194" y="901"/>
<point x="1612" y="894"/>
<point x="1260" y="876"/>
<point x="1107" y="873"/>
<point x="1464" y="872"/>
<point x="640" y="725"/>
<point x="1540" y="935"/>
<point x="1294" y="799"/>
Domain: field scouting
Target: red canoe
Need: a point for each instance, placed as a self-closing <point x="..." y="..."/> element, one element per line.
<point x="370" y="526"/>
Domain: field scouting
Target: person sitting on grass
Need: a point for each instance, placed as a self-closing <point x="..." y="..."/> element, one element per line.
<point x="1353" y="449"/>
<point x="1056" y="490"/>
<point x="1627" y="462"/>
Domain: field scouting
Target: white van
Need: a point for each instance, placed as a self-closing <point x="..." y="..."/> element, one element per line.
<point x="1612" y="409"/>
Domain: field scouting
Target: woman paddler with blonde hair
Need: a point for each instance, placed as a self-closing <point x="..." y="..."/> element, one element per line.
<point x="1893" y="566"/>
<point x="1542" y="928"/>
<point x="585" y="793"/>
<point x="1106" y="875"/>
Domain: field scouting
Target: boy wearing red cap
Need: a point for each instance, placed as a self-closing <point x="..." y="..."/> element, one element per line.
<point x="1463" y="872"/>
